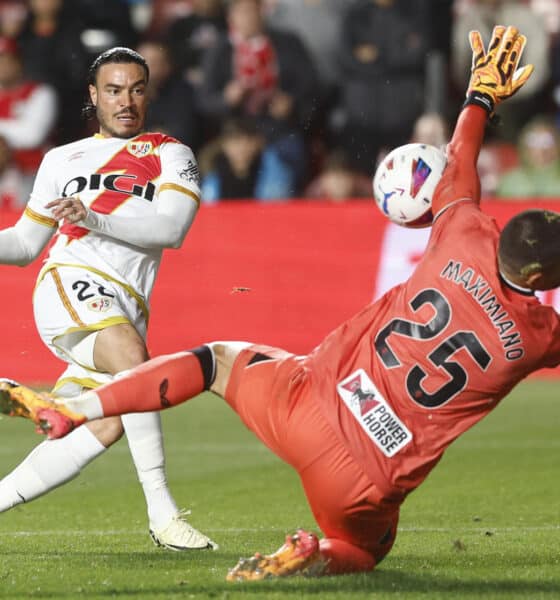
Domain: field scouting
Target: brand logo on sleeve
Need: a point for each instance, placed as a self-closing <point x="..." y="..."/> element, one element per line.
<point x="190" y="172"/>
<point x="373" y="413"/>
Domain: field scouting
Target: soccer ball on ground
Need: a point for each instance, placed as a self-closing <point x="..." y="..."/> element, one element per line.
<point x="405" y="181"/>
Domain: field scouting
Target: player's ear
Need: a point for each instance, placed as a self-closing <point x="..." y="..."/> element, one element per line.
<point x="535" y="281"/>
<point x="548" y="279"/>
<point x="544" y="280"/>
<point x="93" y="94"/>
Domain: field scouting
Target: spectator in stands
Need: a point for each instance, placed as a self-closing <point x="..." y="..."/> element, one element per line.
<point x="339" y="180"/>
<point x="383" y="51"/>
<point x="431" y="128"/>
<point x="192" y="35"/>
<point x="12" y="17"/>
<point x="243" y="167"/>
<point x="265" y="74"/>
<point x="172" y="108"/>
<point x="483" y="15"/>
<point x="496" y="158"/>
<point x="550" y="12"/>
<point x="28" y="111"/>
<point x="106" y="24"/>
<point x="550" y="15"/>
<point x="317" y="23"/>
<point x="539" y="172"/>
<point x="164" y="12"/>
<point x="52" y="53"/>
<point x="15" y="186"/>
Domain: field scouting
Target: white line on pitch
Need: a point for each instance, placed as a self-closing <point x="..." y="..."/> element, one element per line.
<point x="109" y="532"/>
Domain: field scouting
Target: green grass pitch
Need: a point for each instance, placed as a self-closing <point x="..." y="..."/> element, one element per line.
<point x="485" y="524"/>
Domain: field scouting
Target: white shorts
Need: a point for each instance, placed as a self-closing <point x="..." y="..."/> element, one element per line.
<point x="70" y="303"/>
<point x="77" y="379"/>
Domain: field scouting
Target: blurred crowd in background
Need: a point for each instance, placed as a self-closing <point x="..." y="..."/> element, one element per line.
<point x="282" y="98"/>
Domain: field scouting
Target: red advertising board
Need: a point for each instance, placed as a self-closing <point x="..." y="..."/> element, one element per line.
<point x="283" y="274"/>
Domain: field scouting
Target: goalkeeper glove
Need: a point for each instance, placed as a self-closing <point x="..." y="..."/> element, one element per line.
<point x="495" y="75"/>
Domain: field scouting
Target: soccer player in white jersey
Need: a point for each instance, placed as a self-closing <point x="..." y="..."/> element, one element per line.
<point x="113" y="202"/>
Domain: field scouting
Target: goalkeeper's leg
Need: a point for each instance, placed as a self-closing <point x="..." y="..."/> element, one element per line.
<point x="359" y="527"/>
<point x="269" y="389"/>
<point x="161" y="382"/>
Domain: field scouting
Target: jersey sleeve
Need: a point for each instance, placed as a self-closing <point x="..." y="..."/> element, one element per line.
<point x="22" y="243"/>
<point x="44" y="189"/>
<point x="179" y="170"/>
<point x="460" y="180"/>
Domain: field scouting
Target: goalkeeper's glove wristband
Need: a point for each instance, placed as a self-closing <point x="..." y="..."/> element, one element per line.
<point x="481" y="99"/>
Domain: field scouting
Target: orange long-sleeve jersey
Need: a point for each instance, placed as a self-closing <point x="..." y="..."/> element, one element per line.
<point x="411" y="372"/>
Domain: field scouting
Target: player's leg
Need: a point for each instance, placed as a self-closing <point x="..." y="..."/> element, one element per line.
<point x="359" y="528"/>
<point x="73" y="310"/>
<point x="55" y="462"/>
<point x="67" y="323"/>
<point x="358" y="532"/>
<point x="171" y="530"/>
<point x="162" y="382"/>
<point x="119" y="324"/>
<point x="358" y="523"/>
<point x="118" y="349"/>
<point x="274" y="401"/>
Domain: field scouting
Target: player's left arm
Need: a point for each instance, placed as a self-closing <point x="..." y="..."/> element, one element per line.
<point x="460" y="180"/>
<point x="495" y="76"/>
<point x="177" y="203"/>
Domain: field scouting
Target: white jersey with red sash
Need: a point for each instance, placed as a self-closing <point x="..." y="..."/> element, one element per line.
<point x="112" y="176"/>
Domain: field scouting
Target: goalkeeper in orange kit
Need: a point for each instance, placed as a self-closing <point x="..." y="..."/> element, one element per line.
<point x="365" y="417"/>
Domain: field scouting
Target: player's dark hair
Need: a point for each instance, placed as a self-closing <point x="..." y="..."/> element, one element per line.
<point x="530" y="244"/>
<point x="120" y="55"/>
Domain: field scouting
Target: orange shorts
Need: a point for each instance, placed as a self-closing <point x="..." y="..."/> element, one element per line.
<point x="268" y="388"/>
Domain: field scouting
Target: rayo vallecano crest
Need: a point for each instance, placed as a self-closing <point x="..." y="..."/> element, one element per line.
<point x="139" y="148"/>
<point x="373" y="413"/>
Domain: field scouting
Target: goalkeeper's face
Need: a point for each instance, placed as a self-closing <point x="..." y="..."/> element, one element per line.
<point x="119" y="97"/>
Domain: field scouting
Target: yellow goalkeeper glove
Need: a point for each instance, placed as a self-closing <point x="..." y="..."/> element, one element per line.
<point x="495" y="75"/>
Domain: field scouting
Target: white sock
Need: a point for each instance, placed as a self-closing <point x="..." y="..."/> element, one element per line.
<point x="145" y="440"/>
<point x="87" y="404"/>
<point x="48" y="466"/>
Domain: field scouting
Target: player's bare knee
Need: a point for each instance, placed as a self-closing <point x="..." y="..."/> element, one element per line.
<point x="119" y="348"/>
<point x="225" y="354"/>
<point x="107" y="431"/>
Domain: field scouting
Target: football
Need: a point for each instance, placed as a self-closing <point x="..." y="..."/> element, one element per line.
<point x="405" y="181"/>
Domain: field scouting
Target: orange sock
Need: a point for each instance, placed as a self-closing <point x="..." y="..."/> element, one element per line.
<point x="156" y="384"/>
<point x="344" y="557"/>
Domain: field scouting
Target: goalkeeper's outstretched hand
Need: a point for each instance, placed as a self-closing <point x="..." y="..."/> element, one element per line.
<point x="495" y="75"/>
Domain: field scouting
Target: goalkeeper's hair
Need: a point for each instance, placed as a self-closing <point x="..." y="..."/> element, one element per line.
<point x="120" y="55"/>
<point x="530" y="244"/>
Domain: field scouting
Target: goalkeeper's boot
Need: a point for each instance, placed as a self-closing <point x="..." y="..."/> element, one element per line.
<point x="300" y="555"/>
<point x="52" y="419"/>
<point x="180" y="535"/>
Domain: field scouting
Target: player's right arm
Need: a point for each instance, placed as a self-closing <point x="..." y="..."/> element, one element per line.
<point x="22" y="243"/>
<point x="494" y="78"/>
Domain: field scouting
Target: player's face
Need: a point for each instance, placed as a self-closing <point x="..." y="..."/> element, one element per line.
<point x="119" y="96"/>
